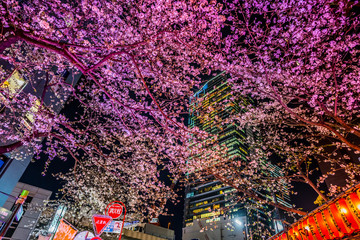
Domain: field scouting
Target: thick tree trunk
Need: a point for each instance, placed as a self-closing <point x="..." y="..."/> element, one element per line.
<point x="12" y="146"/>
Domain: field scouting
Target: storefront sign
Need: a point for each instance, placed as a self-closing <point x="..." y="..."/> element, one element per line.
<point x="41" y="237"/>
<point x="4" y="214"/>
<point x="65" y="231"/>
<point x="337" y="219"/>
<point x="59" y="214"/>
<point x="21" y="199"/>
<point x="19" y="213"/>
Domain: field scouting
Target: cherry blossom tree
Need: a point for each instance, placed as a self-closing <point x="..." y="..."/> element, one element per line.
<point x="299" y="61"/>
<point x="138" y="71"/>
<point x="141" y="61"/>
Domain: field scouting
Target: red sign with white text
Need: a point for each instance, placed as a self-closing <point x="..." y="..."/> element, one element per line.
<point x="115" y="211"/>
<point x="100" y="222"/>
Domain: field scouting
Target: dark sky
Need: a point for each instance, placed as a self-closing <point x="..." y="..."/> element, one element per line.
<point x="33" y="175"/>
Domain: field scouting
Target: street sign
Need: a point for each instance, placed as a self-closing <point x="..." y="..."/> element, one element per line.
<point x="118" y="225"/>
<point x="114" y="227"/>
<point x="115" y="210"/>
<point x="100" y="222"/>
<point x="110" y="227"/>
<point x="86" y="235"/>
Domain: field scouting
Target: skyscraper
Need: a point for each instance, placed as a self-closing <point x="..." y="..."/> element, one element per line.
<point x="210" y="210"/>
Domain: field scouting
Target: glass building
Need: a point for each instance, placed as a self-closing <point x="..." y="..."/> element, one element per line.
<point x="211" y="211"/>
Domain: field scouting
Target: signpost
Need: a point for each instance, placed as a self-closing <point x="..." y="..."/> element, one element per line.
<point x="116" y="208"/>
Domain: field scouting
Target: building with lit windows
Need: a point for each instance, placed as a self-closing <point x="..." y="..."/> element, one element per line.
<point x="210" y="212"/>
<point x="17" y="85"/>
<point x="29" y="215"/>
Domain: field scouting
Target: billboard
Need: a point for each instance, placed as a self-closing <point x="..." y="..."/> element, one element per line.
<point x="4" y="214"/>
<point x="65" y="231"/>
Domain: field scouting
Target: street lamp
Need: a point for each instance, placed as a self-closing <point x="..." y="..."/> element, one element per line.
<point x="237" y="221"/>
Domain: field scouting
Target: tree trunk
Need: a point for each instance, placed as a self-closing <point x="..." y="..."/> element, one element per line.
<point x="10" y="147"/>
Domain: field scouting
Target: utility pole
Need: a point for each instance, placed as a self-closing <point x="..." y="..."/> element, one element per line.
<point x="18" y="204"/>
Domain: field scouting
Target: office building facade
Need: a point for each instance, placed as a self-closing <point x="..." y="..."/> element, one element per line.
<point x="22" y="229"/>
<point x="210" y="210"/>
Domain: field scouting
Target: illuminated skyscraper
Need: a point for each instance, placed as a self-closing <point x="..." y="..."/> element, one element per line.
<point x="210" y="212"/>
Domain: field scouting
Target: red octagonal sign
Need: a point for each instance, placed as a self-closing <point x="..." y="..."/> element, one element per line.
<point x="115" y="211"/>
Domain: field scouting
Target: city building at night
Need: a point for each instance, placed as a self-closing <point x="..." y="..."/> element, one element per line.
<point x="210" y="212"/>
<point x="22" y="228"/>
<point x="17" y="85"/>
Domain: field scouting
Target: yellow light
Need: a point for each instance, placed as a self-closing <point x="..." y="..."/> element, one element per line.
<point x="343" y="210"/>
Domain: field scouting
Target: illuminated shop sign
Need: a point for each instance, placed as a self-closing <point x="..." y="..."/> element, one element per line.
<point x="19" y="213"/>
<point x="337" y="219"/>
<point x="65" y="231"/>
<point x="4" y="214"/>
